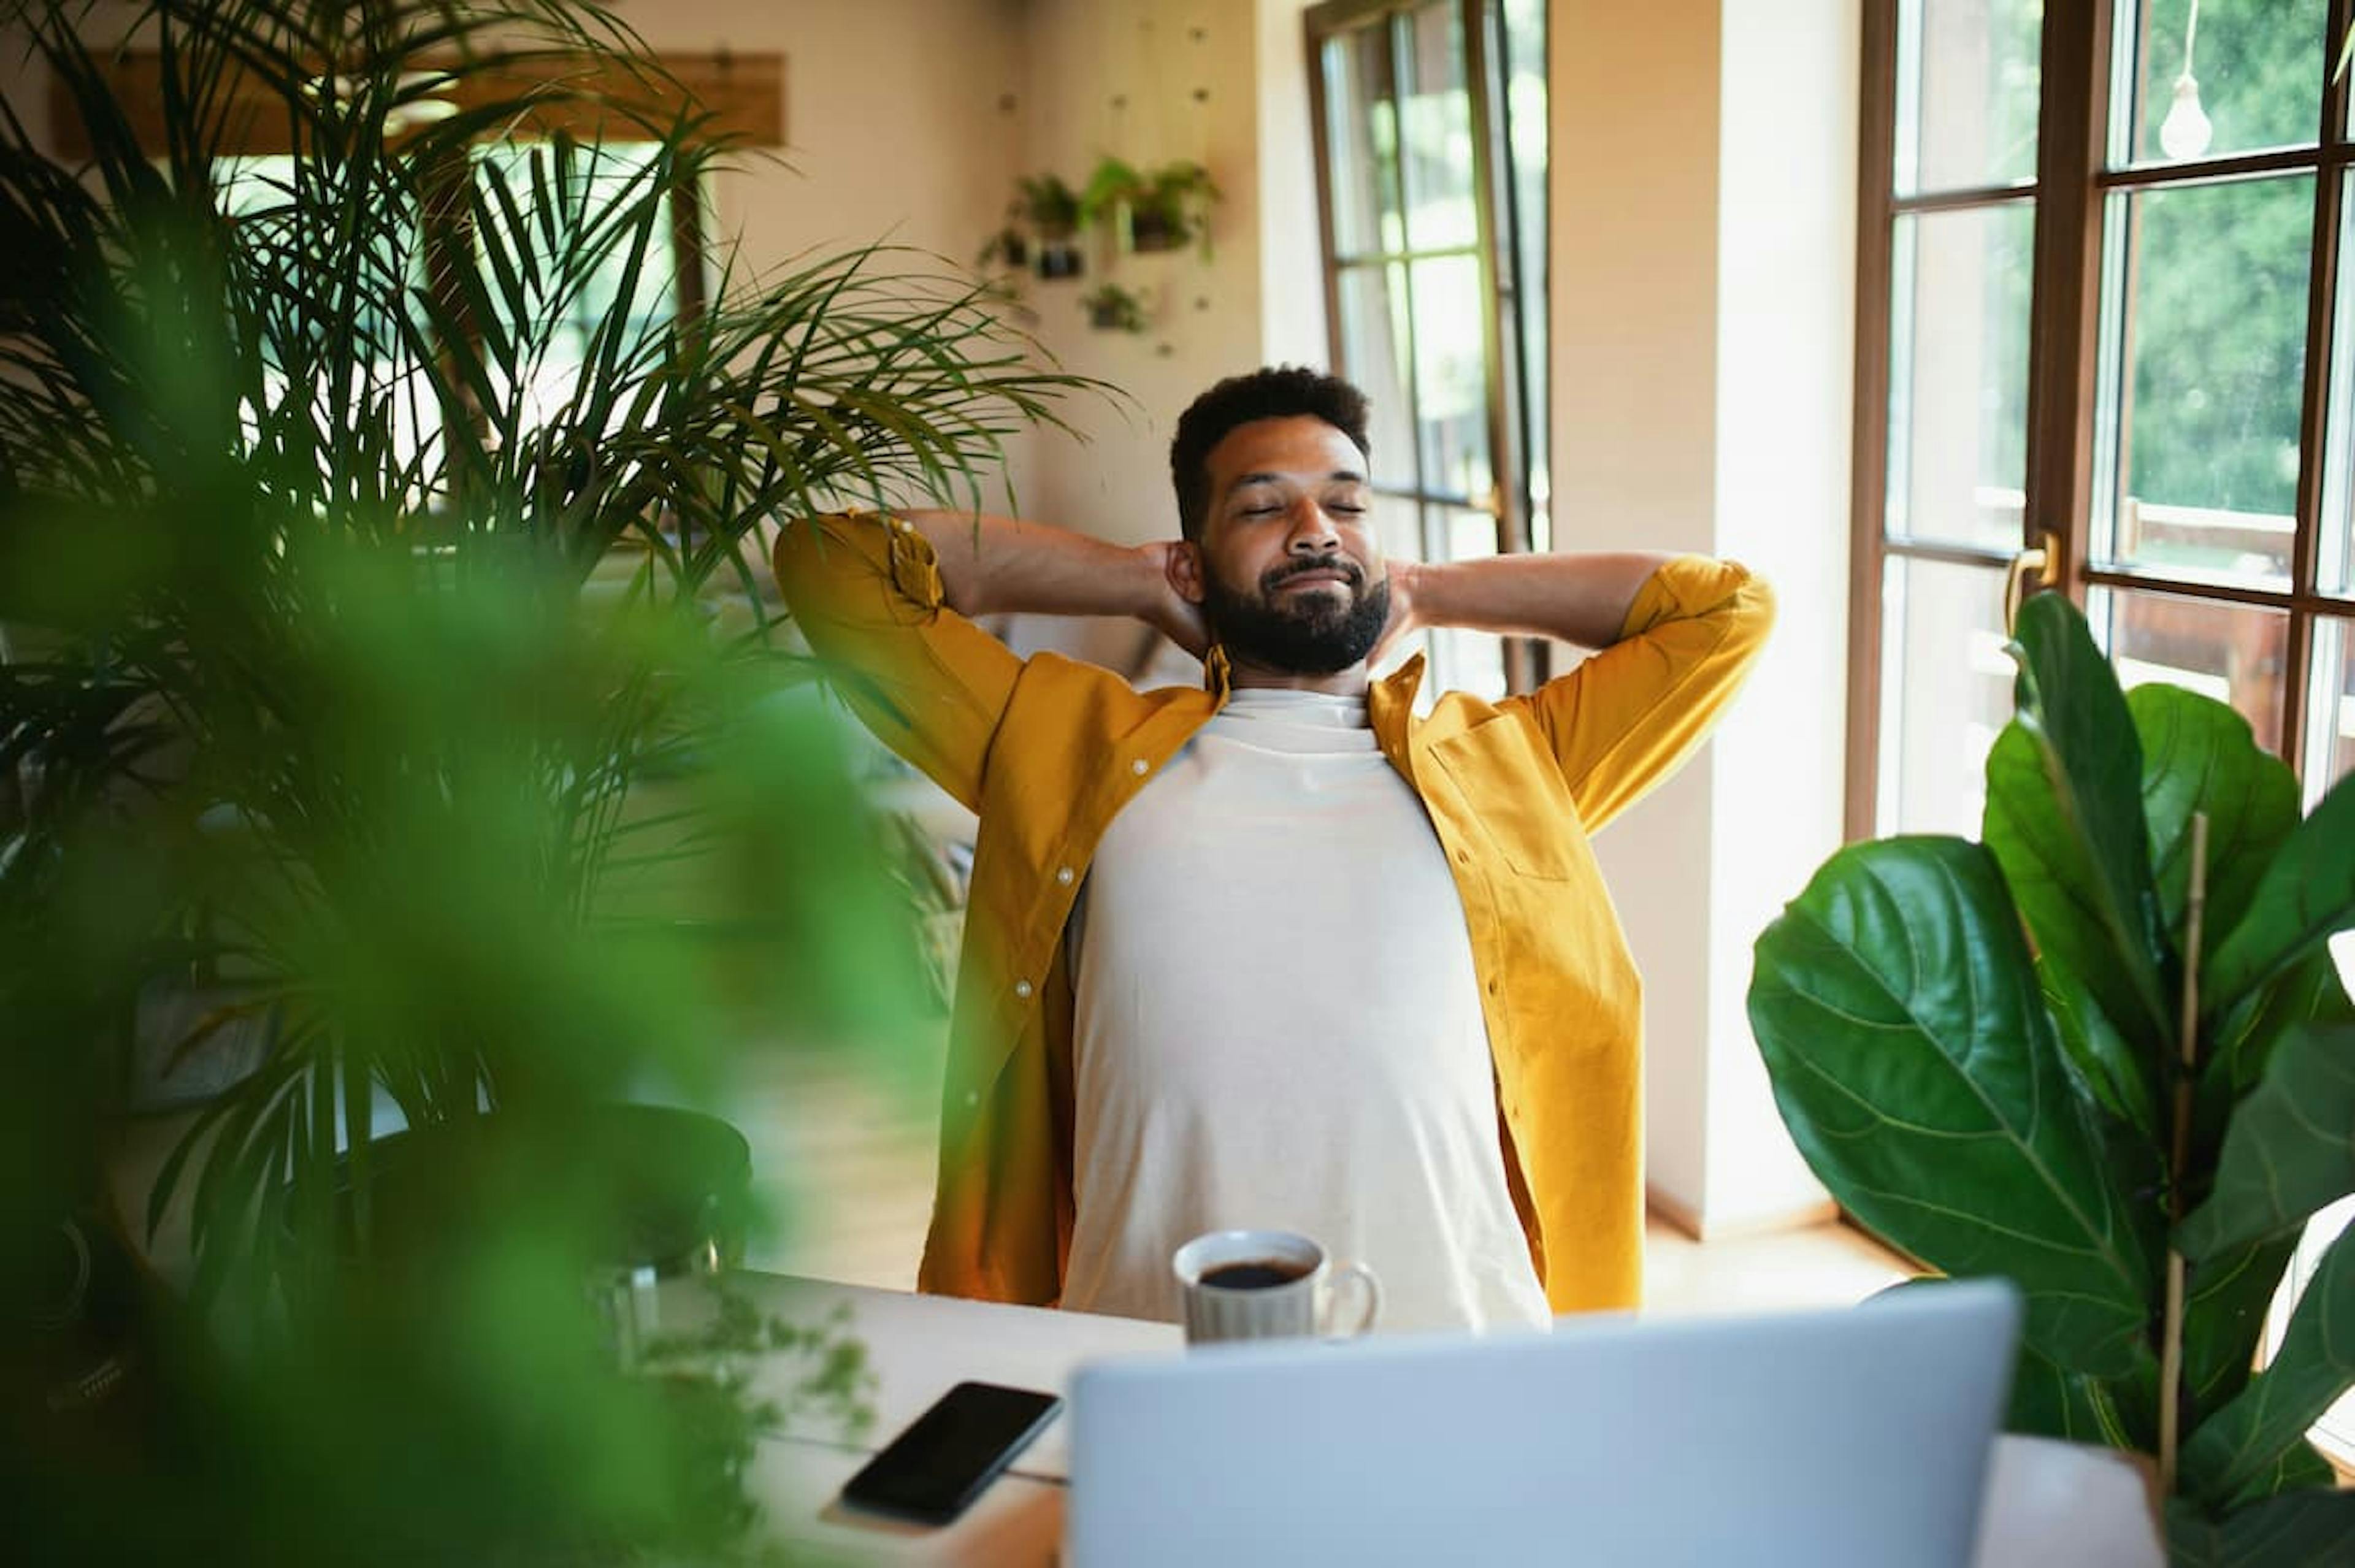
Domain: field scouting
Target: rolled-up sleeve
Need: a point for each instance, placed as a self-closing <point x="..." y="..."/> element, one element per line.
<point x="866" y="591"/>
<point x="1629" y="715"/>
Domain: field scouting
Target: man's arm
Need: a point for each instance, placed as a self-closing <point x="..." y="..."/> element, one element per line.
<point x="992" y="564"/>
<point x="1675" y="633"/>
<point x="1581" y="598"/>
<point x="884" y="602"/>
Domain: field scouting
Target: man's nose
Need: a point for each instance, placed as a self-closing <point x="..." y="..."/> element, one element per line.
<point x="1313" y="532"/>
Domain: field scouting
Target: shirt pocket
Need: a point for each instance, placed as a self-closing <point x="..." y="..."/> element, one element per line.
<point x="1516" y="797"/>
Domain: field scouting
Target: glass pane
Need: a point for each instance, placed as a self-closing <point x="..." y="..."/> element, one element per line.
<point x="2330" y="707"/>
<point x="1525" y="128"/>
<point x="1437" y="116"/>
<point x="1361" y="136"/>
<point x="1969" y="76"/>
<point x="1958" y="375"/>
<point x="1374" y="355"/>
<point x="2204" y="359"/>
<point x="2335" y="557"/>
<point x="1945" y="693"/>
<point x="1451" y="377"/>
<point x="1398" y="528"/>
<point x="1470" y="534"/>
<point x="2234" y="653"/>
<point x="2206" y="80"/>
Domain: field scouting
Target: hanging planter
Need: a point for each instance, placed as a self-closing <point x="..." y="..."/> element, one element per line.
<point x="1051" y="210"/>
<point x="1161" y="209"/>
<point x="1112" y="308"/>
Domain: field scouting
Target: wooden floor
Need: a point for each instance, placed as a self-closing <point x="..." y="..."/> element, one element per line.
<point x="844" y="1158"/>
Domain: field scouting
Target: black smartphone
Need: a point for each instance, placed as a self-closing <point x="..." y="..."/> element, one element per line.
<point x="940" y="1463"/>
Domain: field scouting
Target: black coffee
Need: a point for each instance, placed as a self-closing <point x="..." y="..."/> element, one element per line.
<point x="1254" y="1276"/>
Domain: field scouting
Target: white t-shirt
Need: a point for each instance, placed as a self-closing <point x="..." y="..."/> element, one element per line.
<point x="1278" y="1027"/>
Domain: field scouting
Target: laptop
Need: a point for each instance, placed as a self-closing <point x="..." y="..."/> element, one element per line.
<point x="1854" y="1438"/>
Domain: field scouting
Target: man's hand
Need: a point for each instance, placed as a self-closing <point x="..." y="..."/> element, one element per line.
<point x="1403" y="622"/>
<point x="1173" y="614"/>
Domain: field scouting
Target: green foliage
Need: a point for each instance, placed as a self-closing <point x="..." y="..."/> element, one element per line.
<point x="387" y="665"/>
<point x="1976" y="1049"/>
<point x="1173" y="202"/>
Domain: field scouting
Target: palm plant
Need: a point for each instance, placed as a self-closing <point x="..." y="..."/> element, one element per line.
<point x="301" y="477"/>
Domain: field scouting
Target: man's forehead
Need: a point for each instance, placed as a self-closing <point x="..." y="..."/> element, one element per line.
<point x="1303" y="449"/>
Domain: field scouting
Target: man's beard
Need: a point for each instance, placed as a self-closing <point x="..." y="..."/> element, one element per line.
<point x="1306" y="633"/>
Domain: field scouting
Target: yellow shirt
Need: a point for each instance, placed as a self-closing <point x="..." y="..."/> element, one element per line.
<point x="1047" y="750"/>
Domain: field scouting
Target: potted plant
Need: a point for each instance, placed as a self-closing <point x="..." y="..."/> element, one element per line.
<point x="1112" y="308"/>
<point x="1160" y="209"/>
<point x="387" y="647"/>
<point x="2105" y="1052"/>
<point x="1051" y="210"/>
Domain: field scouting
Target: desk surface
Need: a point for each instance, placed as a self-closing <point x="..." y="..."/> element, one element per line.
<point x="2048" y="1503"/>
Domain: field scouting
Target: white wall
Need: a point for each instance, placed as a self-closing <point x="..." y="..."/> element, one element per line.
<point x="1787" y="304"/>
<point x="1703" y="227"/>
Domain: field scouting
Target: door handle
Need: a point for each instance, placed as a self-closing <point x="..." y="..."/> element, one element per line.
<point x="2039" y="563"/>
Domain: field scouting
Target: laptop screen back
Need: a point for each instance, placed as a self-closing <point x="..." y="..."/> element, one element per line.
<point x="1852" y="1438"/>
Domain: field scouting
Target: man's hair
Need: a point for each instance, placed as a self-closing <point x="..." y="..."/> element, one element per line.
<point x="1280" y="391"/>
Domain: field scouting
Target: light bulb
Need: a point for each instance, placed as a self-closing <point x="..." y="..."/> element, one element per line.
<point x="2185" y="133"/>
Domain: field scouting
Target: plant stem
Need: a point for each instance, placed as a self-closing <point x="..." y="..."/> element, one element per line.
<point x="2170" y="1360"/>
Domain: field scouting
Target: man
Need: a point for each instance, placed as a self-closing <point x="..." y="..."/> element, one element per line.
<point x="1277" y="953"/>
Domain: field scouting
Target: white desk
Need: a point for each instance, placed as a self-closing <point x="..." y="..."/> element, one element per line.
<point x="2048" y="1503"/>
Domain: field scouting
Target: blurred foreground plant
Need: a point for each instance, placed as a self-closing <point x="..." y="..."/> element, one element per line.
<point x="305" y="713"/>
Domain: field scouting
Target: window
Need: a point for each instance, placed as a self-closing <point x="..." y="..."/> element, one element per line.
<point x="1431" y="170"/>
<point x="2100" y="312"/>
<point x="2104" y="314"/>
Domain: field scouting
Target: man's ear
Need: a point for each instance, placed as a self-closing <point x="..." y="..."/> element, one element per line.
<point x="1183" y="566"/>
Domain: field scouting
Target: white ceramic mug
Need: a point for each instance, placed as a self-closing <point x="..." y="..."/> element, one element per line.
<point x="1268" y="1284"/>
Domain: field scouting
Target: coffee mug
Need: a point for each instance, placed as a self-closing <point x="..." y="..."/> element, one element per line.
<point x="1267" y="1284"/>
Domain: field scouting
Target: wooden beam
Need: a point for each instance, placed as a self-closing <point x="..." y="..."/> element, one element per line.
<point x="741" y="96"/>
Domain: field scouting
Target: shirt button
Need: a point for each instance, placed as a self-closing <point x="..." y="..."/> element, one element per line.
<point x="1139" y="767"/>
<point x="1494" y="986"/>
<point x="972" y="1098"/>
<point x="1064" y="875"/>
<point x="1022" y="989"/>
<point x="1464" y="856"/>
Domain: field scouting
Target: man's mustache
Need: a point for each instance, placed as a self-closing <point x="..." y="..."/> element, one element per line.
<point x="1276" y="577"/>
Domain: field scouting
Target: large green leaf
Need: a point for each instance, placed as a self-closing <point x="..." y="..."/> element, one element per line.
<point x="2290" y="1148"/>
<point x="2241" y="1046"/>
<point x="2305" y="1530"/>
<point x="2198" y="755"/>
<point x="2104" y="906"/>
<point x="1898" y="1015"/>
<point x="2049" y="870"/>
<point x="2228" y="1459"/>
<point x="2306" y="894"/>
<point x="2114" y="1078"/>
<point x="2048" y="1400"/>
<point x="2224" y="1304"/>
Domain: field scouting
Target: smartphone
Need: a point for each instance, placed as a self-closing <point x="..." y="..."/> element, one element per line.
<point x="940" y="1464"/>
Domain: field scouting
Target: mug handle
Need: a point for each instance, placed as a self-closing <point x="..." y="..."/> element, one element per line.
<point x="1368" y="1288"/>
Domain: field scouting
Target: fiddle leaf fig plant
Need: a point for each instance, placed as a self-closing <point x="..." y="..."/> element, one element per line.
<point x="2103" y="1051"/>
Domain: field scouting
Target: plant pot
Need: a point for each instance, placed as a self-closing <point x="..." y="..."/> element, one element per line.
<point x="1058" y="259"/>
<point x="1151" y="230"/>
